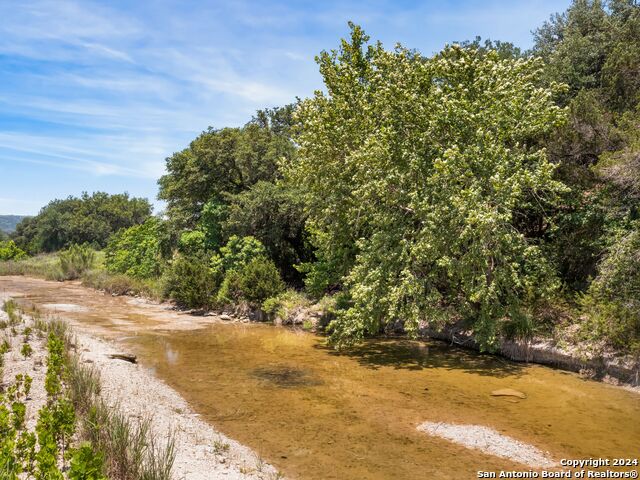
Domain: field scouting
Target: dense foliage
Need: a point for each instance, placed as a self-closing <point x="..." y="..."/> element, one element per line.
<point x="76" y="220"/>
<point x="224" y="161"/>
<point x="136" y="251"/>
<point x="594" y="47"/>
<point x="423" y="165"/>
<point x="254" y="282"/>
<point x="190" y="282"/>
<point x="10" y="251"/>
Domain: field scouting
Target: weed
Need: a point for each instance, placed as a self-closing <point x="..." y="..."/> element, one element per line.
<point x="26" y="350"/>
<point x="220" y="446"/>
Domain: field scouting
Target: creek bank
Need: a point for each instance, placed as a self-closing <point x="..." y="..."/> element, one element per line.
<point x="617" y="370"/>
<point x="610" y="368"/>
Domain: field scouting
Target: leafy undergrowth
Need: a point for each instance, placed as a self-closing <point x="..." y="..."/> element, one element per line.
<point x="76" y="435"/>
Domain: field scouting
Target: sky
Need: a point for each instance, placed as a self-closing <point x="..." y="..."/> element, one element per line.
<point x="95" y="95"/>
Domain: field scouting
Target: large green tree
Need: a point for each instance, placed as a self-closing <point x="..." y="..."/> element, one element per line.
<point x="274" y="214"/>
<point x="413" y="170"/>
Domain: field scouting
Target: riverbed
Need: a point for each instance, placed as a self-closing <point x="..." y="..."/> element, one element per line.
<point x="317" y="414"/>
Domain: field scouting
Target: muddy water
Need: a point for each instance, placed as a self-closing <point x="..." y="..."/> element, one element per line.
<point x="320" y="415"/>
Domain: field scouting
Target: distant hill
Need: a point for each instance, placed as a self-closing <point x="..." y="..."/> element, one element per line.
<point x="8" y="222"/>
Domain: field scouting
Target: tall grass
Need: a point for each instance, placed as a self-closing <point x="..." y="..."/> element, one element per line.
<point x="44" y="266"/>
<point x="50" y="267"/>
<point x="76" y="260"/>
<point x="120" y="284"/>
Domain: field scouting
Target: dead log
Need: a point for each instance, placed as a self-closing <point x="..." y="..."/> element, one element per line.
<point x="124" y="356"/>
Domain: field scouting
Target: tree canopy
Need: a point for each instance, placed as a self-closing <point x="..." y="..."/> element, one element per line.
<point x="77" y="220"/>
<point x="422" y="165"/>
<point x="222" y="162"/>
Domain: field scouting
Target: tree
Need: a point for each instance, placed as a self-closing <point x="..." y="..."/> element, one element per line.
<point x="78" y="220"/>
<point x="594" y="47"/>
<point x="274" y="214"/>
<point x="613" y="299"/>
<point x="224" y="162"/>
<point x="417" y="166"/>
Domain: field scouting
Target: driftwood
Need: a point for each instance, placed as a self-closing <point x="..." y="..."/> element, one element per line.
<point x="124" y="356"/>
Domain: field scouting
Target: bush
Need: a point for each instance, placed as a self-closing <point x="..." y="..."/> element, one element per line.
<point x="136" y="251"/>
<point x="285" y="305"/>
<point x="255" y="282"/>
<point x="10" y="251"/>
<point x="235" y="254"/>
<point x="76" y="260"/>
<point x="189" y="282"/>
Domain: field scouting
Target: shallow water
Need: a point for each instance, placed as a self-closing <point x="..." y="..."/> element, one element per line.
<point x="317" y="414"/>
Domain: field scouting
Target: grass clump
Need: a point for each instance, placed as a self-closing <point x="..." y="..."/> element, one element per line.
<point x="26" y="350"/>
<point x="11" y="309"/>
<point x="76" y="260"/>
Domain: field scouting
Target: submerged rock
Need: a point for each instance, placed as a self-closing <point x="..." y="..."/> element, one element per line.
<point x="508" y="392"/>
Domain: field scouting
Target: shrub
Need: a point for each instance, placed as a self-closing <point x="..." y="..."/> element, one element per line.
<point x="285" y="305"/>
<point x="235" y="254"/>
<point x="255" y="282"/>
<point x="76" y="260"/>
<point x="10" y="251"/>
<point x="189" y="282"/>
<point x="136" y="251"/>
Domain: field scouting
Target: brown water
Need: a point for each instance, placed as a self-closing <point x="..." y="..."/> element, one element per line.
<point x="316" y="414"/>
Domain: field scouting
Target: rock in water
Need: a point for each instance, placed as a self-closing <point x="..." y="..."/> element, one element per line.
<point x="508" y="392"/>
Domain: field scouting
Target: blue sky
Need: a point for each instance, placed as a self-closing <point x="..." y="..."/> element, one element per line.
<point x="95" y="95"/>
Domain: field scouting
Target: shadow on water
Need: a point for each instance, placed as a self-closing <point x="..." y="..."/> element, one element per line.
<point x="286" y="377"/>
<point x="415" y="355"/>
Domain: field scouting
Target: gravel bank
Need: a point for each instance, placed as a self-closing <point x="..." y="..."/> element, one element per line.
<point x="489" y="441"/>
